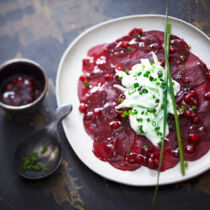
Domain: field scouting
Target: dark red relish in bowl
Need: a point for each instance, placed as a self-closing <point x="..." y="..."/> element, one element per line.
<point x="114" y="140"/>
<point x="19" y="90"/>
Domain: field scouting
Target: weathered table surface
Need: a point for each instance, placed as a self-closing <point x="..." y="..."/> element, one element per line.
<point x="41" y="30"/>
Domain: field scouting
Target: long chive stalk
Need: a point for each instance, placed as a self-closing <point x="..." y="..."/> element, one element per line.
<point x="176" y="117"/>
<point x="165" y="94"/>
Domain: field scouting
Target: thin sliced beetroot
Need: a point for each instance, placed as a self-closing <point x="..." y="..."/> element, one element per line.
<point x="114" y="140"/>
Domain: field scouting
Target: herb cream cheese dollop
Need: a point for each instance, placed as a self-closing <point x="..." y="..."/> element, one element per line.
<point x="143" y="87"/>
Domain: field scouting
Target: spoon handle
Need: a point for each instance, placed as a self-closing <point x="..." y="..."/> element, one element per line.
<point x="60" y="113"/>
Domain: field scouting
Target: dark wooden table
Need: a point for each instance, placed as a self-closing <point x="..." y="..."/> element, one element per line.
<point x="41" y="30"/>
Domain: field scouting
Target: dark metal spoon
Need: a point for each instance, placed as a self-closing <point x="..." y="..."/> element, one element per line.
<point x="47" y="138"/>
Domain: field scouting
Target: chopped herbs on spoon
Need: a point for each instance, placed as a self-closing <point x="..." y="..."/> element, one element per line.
<point x="32" y="161"/>
<point x="44" y="149"/>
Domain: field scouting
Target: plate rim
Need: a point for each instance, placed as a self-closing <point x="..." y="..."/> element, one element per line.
<point x="58" y="97"/>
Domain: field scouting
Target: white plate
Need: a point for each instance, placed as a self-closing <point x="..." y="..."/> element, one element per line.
<point x="70" y="68"/>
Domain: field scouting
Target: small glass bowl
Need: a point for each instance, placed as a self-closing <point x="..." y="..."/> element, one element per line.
<point x="23" y="67"/>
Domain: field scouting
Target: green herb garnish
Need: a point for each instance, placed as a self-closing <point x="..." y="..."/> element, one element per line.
<point x="139" y="119"/>
<point x="45" y="169"/>
<point x="146" y="74"/>
<point x="140" y="127"/>
<point x="120" y="100"/>
<point x="124" y="114"/>
<point x="129" y="48"/>
<point x="182" y="109"/>
<point x="182" y="57"/>
<point x="144" y="147"/>
<point x="32" y="161"/>
<point x="127" y="71"/>
<point x="171" y="90"/>
<point x="86" y="83"/>
<point x="129" y="151"/>
<point x="151" y="78"/>
<point x="194" y="107"/>
<point x="139" y="36"/>
<point x="144" y="91"/>
<point x="120" y="78"/>
<point x="44" y="149"/>
<point x="182" y="66"/>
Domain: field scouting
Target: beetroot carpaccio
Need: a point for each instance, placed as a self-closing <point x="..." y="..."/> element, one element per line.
<point x="113" y="139"/>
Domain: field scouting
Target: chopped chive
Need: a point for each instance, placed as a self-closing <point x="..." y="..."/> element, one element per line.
<point x="157" y="128"/>
<point x="127" y="71"/>
<point x="138" y="36"/>
<point x="160" y="74"/>
<point x="130" y="112"/>
<point x="144" y="146"/>
<point x="37" y="167"/>
<point x="163" y="84"/>
<point x="86" y="83"/>
<point x="185" y="164"/>
<point x="157" y="101"/>
<point x="140" y="127"/>
<point x="182" y="109"/>
<point x="129" y="48"/>
<point x="151" y="78"/>
<point x="139" y="73"/>
<point x="170" y="126"/>
<point x="182" y="66"/>
<point x="144" y="91"/>
<point x="194" y="107"/>
<point x="148" y="119"/>
<point x="120" y="100"/>
<point x="153" y="123"/>
<point x="124" y="114"/>
<point x="189" y="46"/>
<point x="45" y="169"/>
<point x="135" y="112"/>
<point x="159" y="143"/>
<point x="44" y="149"/>
<point x="139" y="88"/>
<point x="120" y="78"/>
<point x="182" y="57"/>
<point x="146" y="74"/>
<point x="129" y="151"/>
<point x="31" y="162"/>
<point x="136" y="85"/>
<point x="139" y="119"/>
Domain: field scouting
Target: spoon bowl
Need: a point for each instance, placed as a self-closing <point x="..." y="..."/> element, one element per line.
<point x="44" y="143"/>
